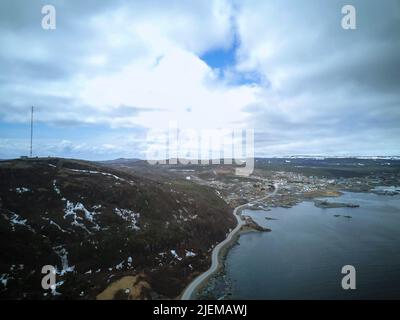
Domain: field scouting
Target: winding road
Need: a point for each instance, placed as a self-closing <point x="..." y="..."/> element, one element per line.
<point x="188" y="292"/>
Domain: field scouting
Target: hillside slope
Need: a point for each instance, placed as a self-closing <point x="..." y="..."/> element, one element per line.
<point x="96" y="224"/>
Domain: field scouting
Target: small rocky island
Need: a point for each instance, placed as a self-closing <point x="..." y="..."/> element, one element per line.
<point x="325" y="204"/>
<point x="251" y="225"/>
<point x="339" y="215"/>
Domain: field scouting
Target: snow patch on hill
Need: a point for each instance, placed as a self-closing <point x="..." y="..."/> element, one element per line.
<point x="18" y="220"/>
<point x="72" y="209"/>
<point x="129" y="216"/>
<point x="63" y="254"/>
<point x="22" y="190"/>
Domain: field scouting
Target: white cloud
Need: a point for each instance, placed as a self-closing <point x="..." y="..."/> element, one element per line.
<point x="137" y="64"/>
<point x="178" y="82"/>
<point x="329" y="90"/>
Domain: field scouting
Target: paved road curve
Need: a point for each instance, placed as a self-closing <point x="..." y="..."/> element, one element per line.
<point x="188" y="292"/>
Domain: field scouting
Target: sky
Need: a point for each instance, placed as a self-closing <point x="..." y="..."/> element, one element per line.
<point x="114" y="71"/>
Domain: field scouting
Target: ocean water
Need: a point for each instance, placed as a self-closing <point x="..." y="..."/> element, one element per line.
<point x="303" y="256"/>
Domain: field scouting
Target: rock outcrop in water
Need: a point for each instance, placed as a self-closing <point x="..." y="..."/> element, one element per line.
<point x="328" y="205"/>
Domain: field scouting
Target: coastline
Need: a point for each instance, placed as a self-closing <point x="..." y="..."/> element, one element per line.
<point x="219" y="251"/>
<point x="233" y="238"/>
<point x="244" y="265"/>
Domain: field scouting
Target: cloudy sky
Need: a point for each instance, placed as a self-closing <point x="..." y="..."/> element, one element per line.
<point x="113" y="70"/>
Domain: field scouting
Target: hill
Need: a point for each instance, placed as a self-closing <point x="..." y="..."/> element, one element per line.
<point x="97" y="224"/>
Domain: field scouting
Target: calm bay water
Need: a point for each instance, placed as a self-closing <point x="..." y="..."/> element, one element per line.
<point x="303" y="256"/>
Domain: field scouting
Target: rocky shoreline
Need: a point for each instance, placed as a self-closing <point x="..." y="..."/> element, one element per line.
<point x="218" y="285"/>
<point x="205" y="290"/>
<point x="219" y="282"/>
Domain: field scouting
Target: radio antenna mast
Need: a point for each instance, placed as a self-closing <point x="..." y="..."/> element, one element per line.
<point x="31" y="130"/>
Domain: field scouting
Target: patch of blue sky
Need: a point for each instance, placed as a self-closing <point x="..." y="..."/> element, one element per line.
<point x="47" y="137"/>
<point x="220" y="58"/>
<point x="45" y="131"/>
<point x="223" y="62"/>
